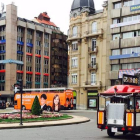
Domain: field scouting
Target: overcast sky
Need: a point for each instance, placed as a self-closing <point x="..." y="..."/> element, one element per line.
<point x="58" y="10"/>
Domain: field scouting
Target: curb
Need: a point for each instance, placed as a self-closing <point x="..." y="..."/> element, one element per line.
<point x="74" y="120"/>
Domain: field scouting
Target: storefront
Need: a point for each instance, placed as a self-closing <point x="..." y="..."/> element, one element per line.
<point x="92" y="99"/>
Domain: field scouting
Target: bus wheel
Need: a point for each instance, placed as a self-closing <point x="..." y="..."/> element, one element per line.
<point x="23" y="107"/>
<point x="111" y="134"/>
<point x="49" y="108"/>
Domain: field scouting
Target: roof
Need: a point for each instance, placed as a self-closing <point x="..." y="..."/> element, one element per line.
<point x="46" y="22"/>
<point x="122" y="89"/>
<point x="44" y="19"/>
<point x="82" y="3"/>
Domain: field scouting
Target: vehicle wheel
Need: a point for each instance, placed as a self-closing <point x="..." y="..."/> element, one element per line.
<point x="49" y="108"/>
<point x="124" y="133"/>
<point x="23" y="107"/>
<point x="111" y="134"/>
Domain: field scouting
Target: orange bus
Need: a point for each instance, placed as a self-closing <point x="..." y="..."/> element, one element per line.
<point x="49" y="100"/>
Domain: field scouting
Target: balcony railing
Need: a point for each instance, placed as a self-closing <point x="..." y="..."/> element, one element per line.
<point x="75" y="35"/>
<point x="93" y="49"/>
<point x="91" y="83"/>
<point x="74" y="66"/>
<point x="93" y="32"/>
<point x="93" y="66"/>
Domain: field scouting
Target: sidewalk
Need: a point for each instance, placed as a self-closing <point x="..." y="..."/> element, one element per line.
<point x="74" y="120"/>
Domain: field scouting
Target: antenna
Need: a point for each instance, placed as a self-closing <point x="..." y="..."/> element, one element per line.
<point x="13" y="3"/>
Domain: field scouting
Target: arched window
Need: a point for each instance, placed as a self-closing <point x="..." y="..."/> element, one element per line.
<point x="94" y="27"/>
<point x="74" y="31"/>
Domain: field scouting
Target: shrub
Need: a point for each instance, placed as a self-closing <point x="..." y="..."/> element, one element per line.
<point x="36" y="108"/>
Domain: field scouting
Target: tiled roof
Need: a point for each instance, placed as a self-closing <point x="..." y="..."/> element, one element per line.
<point x="45" y="15"/>
<point x="46" y="22"/>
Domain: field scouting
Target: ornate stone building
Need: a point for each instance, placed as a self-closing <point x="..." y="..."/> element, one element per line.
<point x="87" y="53"/>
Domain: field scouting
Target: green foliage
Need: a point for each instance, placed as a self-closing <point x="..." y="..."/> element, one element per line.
<point x="36" y="108"/>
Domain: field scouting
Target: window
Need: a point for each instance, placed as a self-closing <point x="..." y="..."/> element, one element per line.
<point x="29" y="32"/>
<point x="29" y="40"/>
<point x="28" y="77"/>
<point x="45" y="70"/>
<point x="115" y="67"/>
<point x="116" y="36"/>
<point x="74" y="62"/>
<point x="19" y="76"/>
<point x="2" y="86"/>
<point x="46" y="45"/>
<point x="2" y="38"/>
<point x="131" y="34"/>
<point x="115" y="21"/>
<point x="131" y="50"/>
<point x="93" y="44"/>
<point x="74" y="31"/>
<point x="117" y="5"/>
<point x="29" y="49"/>
<point x="2" y="47"/>
<point x="38" y="51"/>
<point x="38" y="60"/>
<point x="94" y="27"/>
<point x="28" y="59"/>
<point x="19" y="29"/>
<point x="38" y="34"/>
<point x="93" y="60"/>
<point x="2" y="66"/>
<point x="37" y="78"/>
<point x="2" y="57"/>
<point x="19" y="57"/>
<point x="37" y="69"/>
<point x="131" y="66"/>
<point x="38" y="43"/>
<point x="19" y="48"/>
<point x="2" y="28"/>
<point x="46" y="53"/>
<point x="2" y="76"/>
<point x="74" y="46"/>
<point x="93" y="78"/>
<point x="19" y="38"/>
<point x="74" y="78"/>
<point x="28" y="68"/>
<point x="45" y="79"/>
<point x="46" y="36"/>
<point x="19" y="67"/>
<point x="45" y="61"/>
<point x="128" y="3"/>
<point x="116" y="52"/>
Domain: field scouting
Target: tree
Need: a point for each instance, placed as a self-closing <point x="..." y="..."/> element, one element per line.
<point x="36" y="108"/>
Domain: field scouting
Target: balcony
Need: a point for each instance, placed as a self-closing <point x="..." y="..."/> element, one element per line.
<point x="74" y="66"/>
<point x="93" y="66"/>
<point x="114" y="44"/>
<point x="74" y="37"/>
<point x="130" y="42"/>
<point x="92" y="50"/>
<point x="115" y="13"/>
<point x="127" y="11"/>
<point x="113" y="75"/>
<point x="93" y="33"/>
<point x="96" y="84"/>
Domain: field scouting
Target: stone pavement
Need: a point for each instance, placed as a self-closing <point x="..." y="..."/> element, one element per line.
<point x="74" y="120"/>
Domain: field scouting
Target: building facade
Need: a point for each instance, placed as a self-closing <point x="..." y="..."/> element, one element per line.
<point x="24" y="53"/>
<point x="123" y="40"/>
<point x="87" y="52"/>
<point x="59" y="53"/>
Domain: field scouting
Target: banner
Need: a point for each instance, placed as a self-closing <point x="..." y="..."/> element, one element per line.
<point x="134" y="8"/>
<point x="130" y="80"/>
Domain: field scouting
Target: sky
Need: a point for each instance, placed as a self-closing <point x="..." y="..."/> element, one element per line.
<point x="58" y="10"/>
